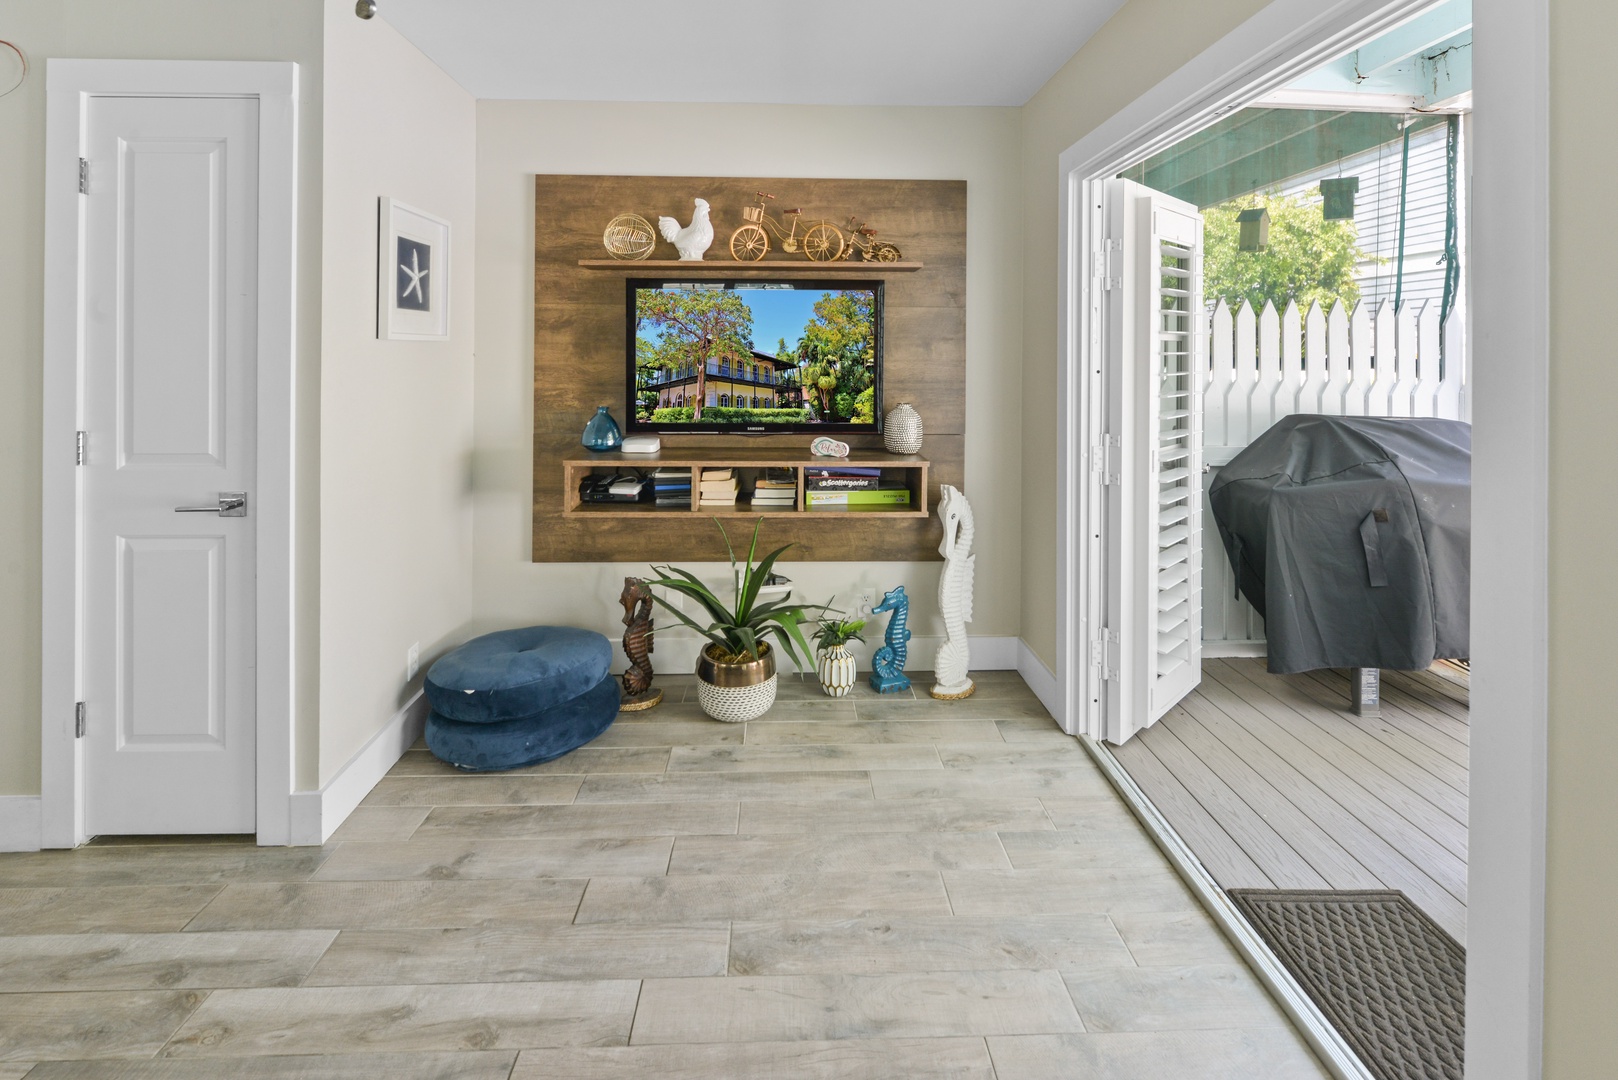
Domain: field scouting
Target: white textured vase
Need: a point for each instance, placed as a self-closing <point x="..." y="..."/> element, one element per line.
<point x="835" y="666"/>
<point x="736" y="693"/>
<point x="901" y="430"/>
<point x="737" y="704"/>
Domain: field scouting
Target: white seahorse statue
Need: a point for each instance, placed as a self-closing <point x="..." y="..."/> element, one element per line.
<point x="954" y="595"/>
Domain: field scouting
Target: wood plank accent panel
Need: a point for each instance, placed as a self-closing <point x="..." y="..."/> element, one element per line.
<point x="579" y="352"/>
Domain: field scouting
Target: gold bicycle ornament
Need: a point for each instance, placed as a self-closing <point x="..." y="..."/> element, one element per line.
<point x="820" y="242"/>
<point x="870" y="248"/>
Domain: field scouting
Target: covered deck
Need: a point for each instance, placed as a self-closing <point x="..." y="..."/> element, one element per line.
<point x="1274" y="783"/>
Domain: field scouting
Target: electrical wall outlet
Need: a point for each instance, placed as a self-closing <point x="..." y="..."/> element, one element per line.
<point x="867" y="599"/>
<point x="412" y="661"/>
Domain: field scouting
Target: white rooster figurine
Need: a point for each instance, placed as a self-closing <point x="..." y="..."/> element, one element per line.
<point x="692" y="240"/>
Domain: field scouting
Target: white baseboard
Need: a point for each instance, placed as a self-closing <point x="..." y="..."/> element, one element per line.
<point x="1040" y="679"/>
<point x="317" y="814"/>
<point x="991" y="653"/>
<point x="19" y="822"/>
<point x="679" y="655"/>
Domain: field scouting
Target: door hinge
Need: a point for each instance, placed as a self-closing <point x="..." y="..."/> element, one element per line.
<point x="1104" y="654"/>
<point x="1106" y="458"/>
<point x="78" y="720"/>
<point x="79" y="439"/>
<point x="84" y="176"/>
<point x="1106" y="270"/>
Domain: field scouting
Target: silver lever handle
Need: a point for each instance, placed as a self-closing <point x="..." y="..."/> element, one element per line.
<point x="231" y="504"/>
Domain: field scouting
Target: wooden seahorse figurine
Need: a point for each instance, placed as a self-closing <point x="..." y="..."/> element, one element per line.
<point x="887" y="666"/>
<point x="638" y="692"/>
<point x="954" y="596"/>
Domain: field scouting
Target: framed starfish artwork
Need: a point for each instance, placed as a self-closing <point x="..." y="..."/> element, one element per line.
<point x="412" y="273"/>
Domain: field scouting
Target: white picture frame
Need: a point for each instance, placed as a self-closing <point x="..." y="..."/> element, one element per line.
<point x="412" y="273"/>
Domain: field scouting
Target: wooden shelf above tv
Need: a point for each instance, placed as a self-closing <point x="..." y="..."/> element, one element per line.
<point x="575" y="469"/>
<point x="774" y="266"/>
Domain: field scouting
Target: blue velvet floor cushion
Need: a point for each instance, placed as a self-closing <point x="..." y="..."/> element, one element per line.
<point x="511" y="674"/>
<point x="519" y="697"/>
<point x="511" y="744"/>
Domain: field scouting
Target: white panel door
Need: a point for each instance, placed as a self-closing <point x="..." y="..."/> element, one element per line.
<point x="170" y="326"/>
<point x="1153" y="378"/>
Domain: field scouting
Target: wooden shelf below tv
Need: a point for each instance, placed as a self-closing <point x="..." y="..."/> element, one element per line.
<point x="774" y="266"/>
<point x="575" y="469"/>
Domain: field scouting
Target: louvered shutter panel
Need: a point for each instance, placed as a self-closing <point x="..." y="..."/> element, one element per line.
<point x="1154" y="377"/>
<point x="1173" y="595"/>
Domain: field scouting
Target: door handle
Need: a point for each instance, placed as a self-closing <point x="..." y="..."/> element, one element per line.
<point x="231" y="504"/>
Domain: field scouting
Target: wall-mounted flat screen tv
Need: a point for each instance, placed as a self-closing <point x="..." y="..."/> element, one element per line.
<point x="754" y="357"/>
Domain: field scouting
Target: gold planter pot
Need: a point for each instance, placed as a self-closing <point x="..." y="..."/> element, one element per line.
<point x="736" y="693"/>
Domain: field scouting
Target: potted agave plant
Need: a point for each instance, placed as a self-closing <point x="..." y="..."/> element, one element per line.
<point x="833" y="662"/>
<point x="736" y="676"/>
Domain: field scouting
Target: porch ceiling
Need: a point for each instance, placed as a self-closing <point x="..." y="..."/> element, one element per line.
<point x="1256" y="149"/>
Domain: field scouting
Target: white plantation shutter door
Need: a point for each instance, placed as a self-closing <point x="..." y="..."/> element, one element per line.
<point x="1156" y="369"/>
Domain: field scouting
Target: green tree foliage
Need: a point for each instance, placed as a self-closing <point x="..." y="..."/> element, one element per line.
<point x="728" y="414"/>
<point x="836" y="357"/>
<point x="693" y="327"/>
<point x="1309" y="260"/>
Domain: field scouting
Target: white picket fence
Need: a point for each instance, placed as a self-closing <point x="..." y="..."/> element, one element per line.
<point x="1267" y="365"/>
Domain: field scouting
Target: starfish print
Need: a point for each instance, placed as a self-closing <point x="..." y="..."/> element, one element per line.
<point x="416" y="274"/>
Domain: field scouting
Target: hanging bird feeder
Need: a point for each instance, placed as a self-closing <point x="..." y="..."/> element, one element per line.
<point x="1339" y="196"/>
<point x="1255" y="225"/>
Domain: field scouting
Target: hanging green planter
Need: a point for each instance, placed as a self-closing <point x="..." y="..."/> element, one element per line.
<point x="1339" y="197"/>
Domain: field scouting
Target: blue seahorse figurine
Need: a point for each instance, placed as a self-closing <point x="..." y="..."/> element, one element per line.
<point x="887" y="674"/>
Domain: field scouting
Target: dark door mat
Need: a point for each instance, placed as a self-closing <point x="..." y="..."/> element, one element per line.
<point x="1390" y="980"/>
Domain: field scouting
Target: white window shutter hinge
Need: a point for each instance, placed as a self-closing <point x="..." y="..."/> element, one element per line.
<point x="1112" y="256"/>
<point x="1103" y="264"/>
<point x="78" y="720"/>
<point x="1104" y="654"/>
<point x="79" y="439"/>
<point x="1112" y="460"/>
<point x="84" y="176"/>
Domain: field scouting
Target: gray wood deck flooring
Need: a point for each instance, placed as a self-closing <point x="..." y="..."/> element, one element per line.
<point x="1274" y="784"/>
<point x="861" y="889"/>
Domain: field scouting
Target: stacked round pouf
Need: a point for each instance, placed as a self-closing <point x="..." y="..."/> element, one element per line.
<point x="519" y="697"/>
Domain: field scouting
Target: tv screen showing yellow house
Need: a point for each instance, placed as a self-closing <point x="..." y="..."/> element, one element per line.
<point x="754" y="356"/>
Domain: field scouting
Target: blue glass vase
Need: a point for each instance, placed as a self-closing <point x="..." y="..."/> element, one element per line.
<point x="602" y="433"/>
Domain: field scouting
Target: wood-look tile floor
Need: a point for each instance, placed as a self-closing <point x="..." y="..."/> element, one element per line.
<point x="879" y="887"/>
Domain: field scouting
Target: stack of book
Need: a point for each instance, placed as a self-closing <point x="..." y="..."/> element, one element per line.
<point x="775" y="489"/>
<point x="718" y="487"/>
<point x="672" y="487"/>
<point x="852" y="487"/>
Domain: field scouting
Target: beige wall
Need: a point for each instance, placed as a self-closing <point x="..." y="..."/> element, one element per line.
<point x="89" y="29"/>
<point x="519" y="139"/>
<point x="1128" y="56"/>
<point x="1581" y="945"/>
<point x="396" y="416"/>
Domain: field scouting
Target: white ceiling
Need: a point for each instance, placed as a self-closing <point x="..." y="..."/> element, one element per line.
<point x="808" y="52"/>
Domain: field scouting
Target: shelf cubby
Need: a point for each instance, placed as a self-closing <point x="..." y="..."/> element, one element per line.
<point x="747" y="464"/>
